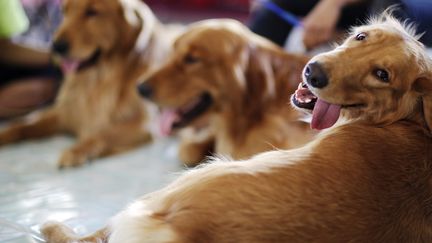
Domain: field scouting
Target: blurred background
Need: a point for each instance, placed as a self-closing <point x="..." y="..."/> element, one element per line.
<point x="45" y="15"/>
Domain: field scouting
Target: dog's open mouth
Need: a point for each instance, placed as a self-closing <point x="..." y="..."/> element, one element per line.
<point x="303" y="98"/>
<point x="179" y="117"/>
<point x="324" y="114"/>
<point x="70" y="65"/>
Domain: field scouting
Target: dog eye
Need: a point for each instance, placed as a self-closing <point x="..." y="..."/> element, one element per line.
<point x="91" y="12"/>
<point x="361" y="36"/>
<point x="190" y="59"/>
<point x="382" y="75"/>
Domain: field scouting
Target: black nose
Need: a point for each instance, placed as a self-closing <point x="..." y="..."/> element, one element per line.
<point x="61" y="47"/>
<point x="145" y="90"/>
<point x="315" y="75"/>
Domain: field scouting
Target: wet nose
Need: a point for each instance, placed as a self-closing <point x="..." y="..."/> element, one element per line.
<point x="61" y="47"/>
<point x="315" y="75"/>
<point x="145" y="90"/>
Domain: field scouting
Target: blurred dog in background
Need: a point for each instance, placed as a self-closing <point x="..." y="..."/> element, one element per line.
<point x="103" y="48"/>
<point x="232" y="87"/>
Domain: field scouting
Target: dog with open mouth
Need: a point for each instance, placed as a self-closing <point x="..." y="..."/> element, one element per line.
<point x="365" y="179"/>
<point x="231" y="88"/>
<point x="103" y="47"/>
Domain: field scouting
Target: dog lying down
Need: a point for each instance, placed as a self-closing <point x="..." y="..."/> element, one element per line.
<point x="104" y="48"/>
<point x="366" y="179"/>
<point x="235" y="83"/>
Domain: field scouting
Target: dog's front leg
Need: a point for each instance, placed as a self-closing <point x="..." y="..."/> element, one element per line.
<point x="194" y="146"/>
<point x="54" y="232"/>
<point x="39" y="125"/>
<point x="113" y="139"/>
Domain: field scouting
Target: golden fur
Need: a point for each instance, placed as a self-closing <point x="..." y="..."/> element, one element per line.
<point x="367" y="179"/>
<point x="250" y="81"/>
<point x="99" y="104"/>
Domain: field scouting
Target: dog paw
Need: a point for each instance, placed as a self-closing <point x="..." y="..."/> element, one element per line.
<point x="3" y="140"/>
<point x="147" y="138"/>
<point x="55" y="232"/>
<point x="72" y="158"/>
<point x="191" y="155"/>
<point x="6" y="137"/>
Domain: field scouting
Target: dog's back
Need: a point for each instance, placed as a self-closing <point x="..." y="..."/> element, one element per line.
<point x="331" y="191"/>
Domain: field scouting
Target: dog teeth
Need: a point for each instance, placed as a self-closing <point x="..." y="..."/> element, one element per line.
<point x="304" y="100"/>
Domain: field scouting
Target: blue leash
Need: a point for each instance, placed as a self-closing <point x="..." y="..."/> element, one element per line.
<point x="285" y="15"/>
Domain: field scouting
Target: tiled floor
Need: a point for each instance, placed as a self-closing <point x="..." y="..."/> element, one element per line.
<point x="33" y="191"/>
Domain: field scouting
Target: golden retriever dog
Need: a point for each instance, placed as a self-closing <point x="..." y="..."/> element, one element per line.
<point x="239" y="83"/>
<point x="104" y="47"/>
<point x="365" y="179"/>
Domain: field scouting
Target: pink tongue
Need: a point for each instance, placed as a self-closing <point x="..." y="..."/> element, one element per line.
<point x="324" y="115"/>
<point x="167" y="119"/>
<point x="69" y="66"/>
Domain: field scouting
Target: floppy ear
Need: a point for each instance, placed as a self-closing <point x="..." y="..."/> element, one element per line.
<point x="238" y="68"/>
<point x="141" y="19"/>
<point x="130" y="12"/>
<point x="262" y="67"/>
<point x="252" y="71"/>
<point x="270" y="69"/>
<point x="248" y="76"/>
<point x="423" y="85"/>
<point x="261" y="73"/>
